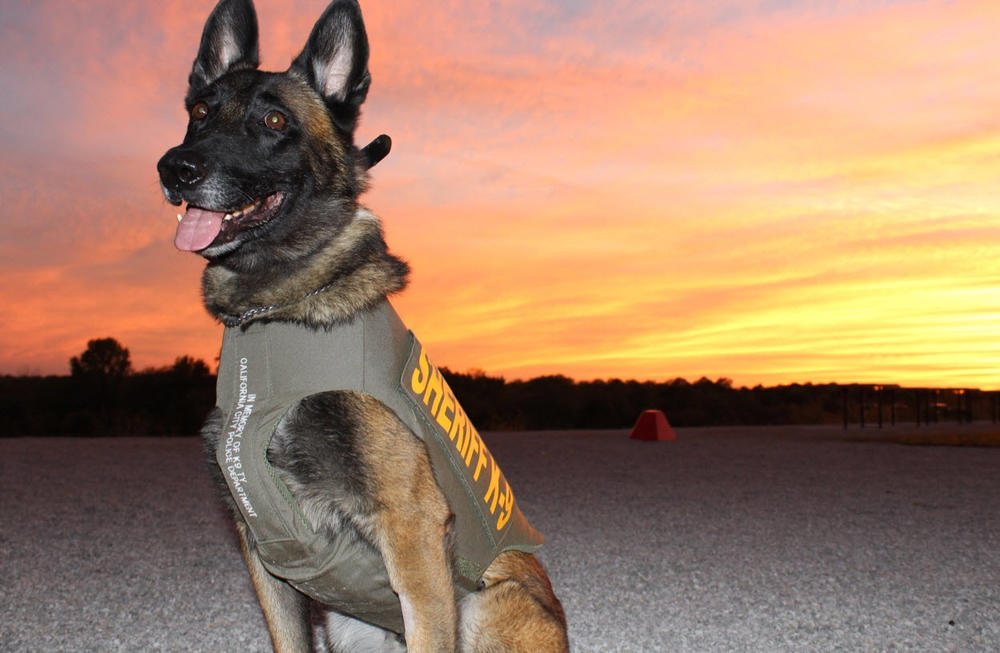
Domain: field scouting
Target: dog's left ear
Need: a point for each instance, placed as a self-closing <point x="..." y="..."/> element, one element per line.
<point x="376" y="150"/>
<point x="228" y="41"/>
<point x="335" y="62"/>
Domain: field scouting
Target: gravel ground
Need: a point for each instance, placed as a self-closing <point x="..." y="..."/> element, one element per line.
<point x="729" y="539"/>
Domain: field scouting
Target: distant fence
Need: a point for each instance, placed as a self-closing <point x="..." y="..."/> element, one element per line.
<point x="880" y="405"/>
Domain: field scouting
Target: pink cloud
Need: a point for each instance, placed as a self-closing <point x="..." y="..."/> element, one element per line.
<point x="645" y="190"/>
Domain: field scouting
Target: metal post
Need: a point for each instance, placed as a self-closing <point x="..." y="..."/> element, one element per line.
<point x="861" y="410"/>
<point x="843" y="392"/>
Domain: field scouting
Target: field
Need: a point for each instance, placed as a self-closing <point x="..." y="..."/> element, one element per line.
<point x="729" y="539"/>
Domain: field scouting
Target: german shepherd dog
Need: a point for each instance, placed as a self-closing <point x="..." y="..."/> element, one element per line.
<point x="271" y="176"/>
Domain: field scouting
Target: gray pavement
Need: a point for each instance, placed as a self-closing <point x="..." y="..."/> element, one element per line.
<point x="729" y="539"/>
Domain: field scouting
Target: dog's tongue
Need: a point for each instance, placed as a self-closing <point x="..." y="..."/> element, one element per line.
<point x="197" y="229"/>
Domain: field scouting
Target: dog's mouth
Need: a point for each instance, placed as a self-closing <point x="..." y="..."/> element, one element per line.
<point x="200" y="227"/>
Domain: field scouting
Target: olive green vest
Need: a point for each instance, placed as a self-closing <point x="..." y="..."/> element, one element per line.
<point x="266" y="368"/>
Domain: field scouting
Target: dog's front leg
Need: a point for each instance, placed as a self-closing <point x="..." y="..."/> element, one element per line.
<point x="411" y="525"/>
<point x="286" y="610"/>
<point x="414" y="554"/>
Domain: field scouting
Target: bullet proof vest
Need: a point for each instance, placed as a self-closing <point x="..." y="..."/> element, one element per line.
<point x="266" y="368"/>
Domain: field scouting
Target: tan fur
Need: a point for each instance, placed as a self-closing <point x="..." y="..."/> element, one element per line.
<point x="285" y="609"/>
<point x="307" y="107"/>
<point x="411" y="527"/>
<point x="517" y="611"/>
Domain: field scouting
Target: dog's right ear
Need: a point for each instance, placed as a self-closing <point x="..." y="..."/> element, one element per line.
<point x="229" y="41"/>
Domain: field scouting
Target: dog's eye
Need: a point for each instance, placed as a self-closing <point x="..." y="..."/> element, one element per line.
<point x="276" y="120"/>
<point x="199" y="111"/>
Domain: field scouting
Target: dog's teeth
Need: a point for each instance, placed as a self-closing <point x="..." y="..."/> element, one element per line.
<point x="180" y="218"/>
<point x="239" y="213"/>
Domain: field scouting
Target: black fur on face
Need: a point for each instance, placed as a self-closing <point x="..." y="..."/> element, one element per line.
<point x="272" y="151"/>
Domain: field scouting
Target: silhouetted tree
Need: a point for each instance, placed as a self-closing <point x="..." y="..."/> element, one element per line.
<point x="104" y="357"/>
<point x="544" y="402"/>
<point x="98" y="374"/>
<point x="481" y="396"/>
<point x="189" y="367"/>
<point x="171" y="400"/>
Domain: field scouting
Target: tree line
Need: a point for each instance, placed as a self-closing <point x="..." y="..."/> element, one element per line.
<point x="104" y="396"/>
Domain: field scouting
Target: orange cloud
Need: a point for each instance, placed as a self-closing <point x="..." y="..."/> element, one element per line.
<point x="649" y="190"/>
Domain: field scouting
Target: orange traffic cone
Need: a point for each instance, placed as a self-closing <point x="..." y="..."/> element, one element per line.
<point x="652" y="425"/>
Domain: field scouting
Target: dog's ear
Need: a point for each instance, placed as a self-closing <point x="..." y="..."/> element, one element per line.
<point x="376" y="150"/>
<point x="335" y="62"/>
<point x="229" y="41"/>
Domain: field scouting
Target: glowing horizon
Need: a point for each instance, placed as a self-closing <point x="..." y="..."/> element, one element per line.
<point x="771" y="194"/>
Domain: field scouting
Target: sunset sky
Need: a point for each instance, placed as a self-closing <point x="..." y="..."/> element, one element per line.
<point x="765" y="190"/>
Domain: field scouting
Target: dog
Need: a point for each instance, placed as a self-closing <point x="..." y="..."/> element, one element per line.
<point x="363" y="497"/>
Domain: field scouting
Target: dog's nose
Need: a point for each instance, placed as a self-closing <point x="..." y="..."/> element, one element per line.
<point x="180" y="170"/>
